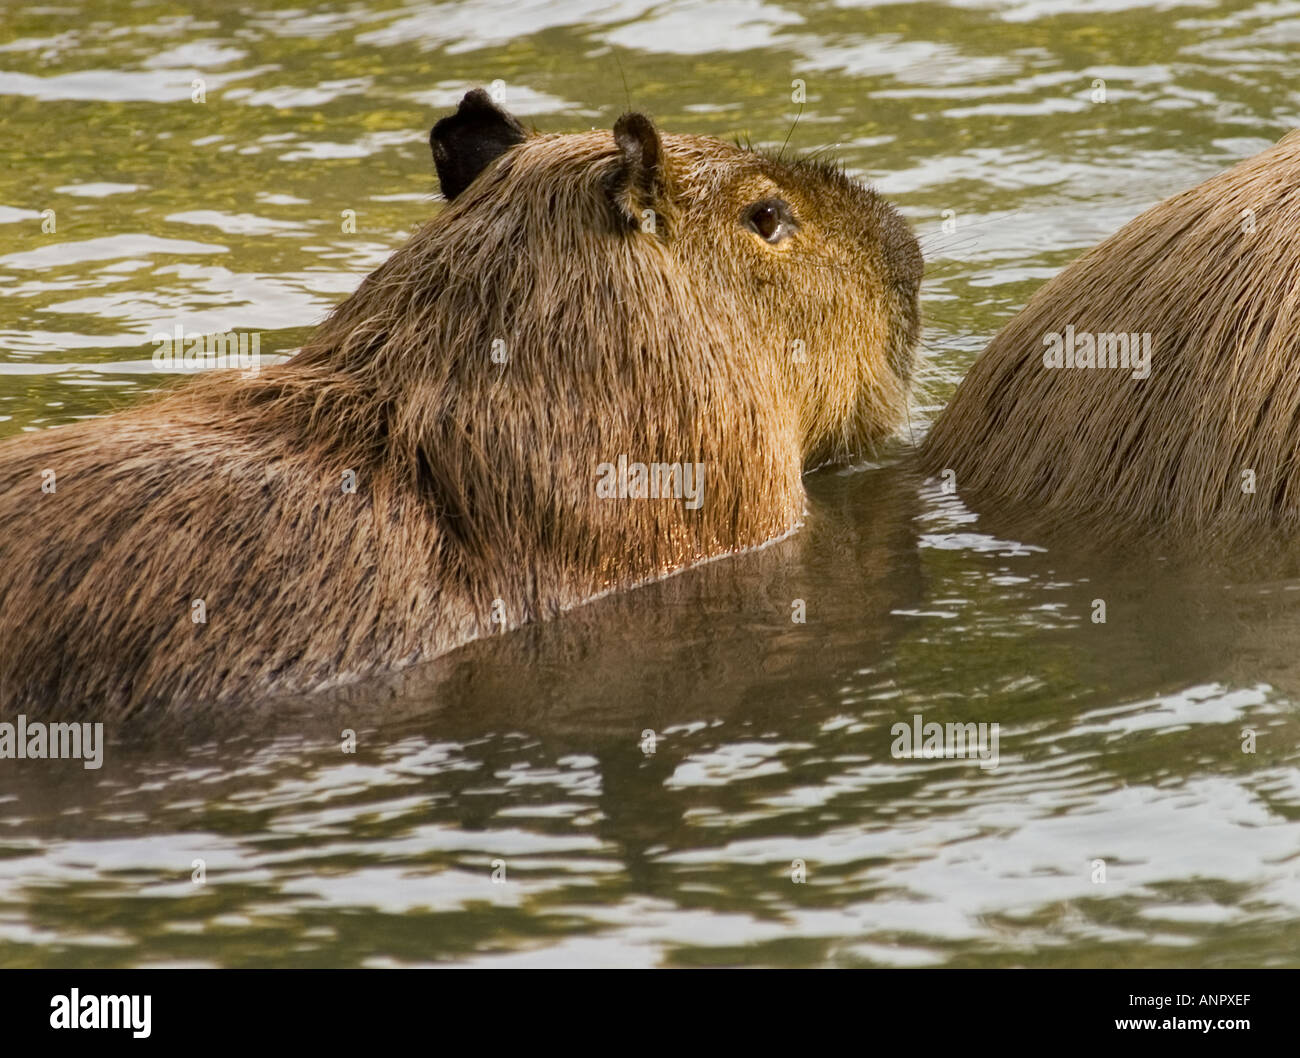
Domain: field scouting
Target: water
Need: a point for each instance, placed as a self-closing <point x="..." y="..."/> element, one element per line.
<point x="1120" y="742"/>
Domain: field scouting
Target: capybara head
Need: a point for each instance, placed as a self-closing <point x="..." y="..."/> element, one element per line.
<point x="1154" y="385"/>
<point x="790" y="271"/>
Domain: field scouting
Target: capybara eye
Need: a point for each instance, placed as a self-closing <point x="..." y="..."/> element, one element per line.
<point x="771" y="219"/>
<point x="767" y="222"/>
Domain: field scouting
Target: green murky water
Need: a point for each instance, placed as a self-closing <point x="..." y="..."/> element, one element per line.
<point x="1120" y="742"/>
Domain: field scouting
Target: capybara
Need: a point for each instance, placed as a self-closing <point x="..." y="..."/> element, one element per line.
<point x="607" y="358"/>
<point x="1153" y="387"/>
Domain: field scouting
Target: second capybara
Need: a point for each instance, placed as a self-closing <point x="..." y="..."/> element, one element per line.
<point x="609" y="357"/>
<point x="1152" y="389"/>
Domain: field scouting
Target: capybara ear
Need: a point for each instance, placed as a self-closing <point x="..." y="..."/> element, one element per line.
<point x="466" y="142"/>
<point x="639" y="185"/>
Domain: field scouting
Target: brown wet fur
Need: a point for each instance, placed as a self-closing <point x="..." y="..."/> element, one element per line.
<point x="1104" y="455"/>
<point x="475" y="480"/>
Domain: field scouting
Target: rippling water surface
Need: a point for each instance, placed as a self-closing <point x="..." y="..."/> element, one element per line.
<point x="524" y="758"/>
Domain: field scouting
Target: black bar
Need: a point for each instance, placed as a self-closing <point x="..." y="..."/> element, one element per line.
<point x="1037" y="1008"/>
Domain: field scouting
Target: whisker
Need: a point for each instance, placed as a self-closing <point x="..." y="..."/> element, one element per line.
<point x="793" y="126"/>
